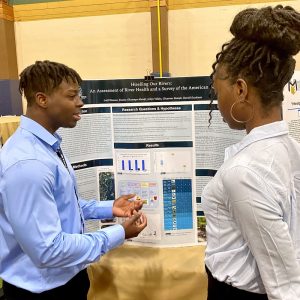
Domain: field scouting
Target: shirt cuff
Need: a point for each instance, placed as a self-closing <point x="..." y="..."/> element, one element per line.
<point x="115" y="235"/>
<point x="106" y="209"/>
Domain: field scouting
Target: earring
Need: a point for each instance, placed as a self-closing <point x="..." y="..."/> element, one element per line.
<point x="241" y="102"/>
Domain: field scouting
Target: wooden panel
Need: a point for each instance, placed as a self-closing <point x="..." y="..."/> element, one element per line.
<point x="153" y="3"/>
<point x="164" y="40"/>
<point x="8" y="58"/>
<point x="78" y="8"/>
<point x="6" y="12"/>
<point x="180" y="4"/>
<point x="16" y="2"/>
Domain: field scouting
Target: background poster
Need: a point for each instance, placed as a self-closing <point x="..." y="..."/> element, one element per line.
<point x="291" y="106"/>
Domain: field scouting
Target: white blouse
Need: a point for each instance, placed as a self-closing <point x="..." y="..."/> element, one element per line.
<point x="252" y="209"/>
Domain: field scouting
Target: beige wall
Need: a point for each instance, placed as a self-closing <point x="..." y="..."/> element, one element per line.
<point x="196" y="35"/>
<point x="119" y="46"/>
<point x="101" y="47"/>
<point x="110" y="46"/>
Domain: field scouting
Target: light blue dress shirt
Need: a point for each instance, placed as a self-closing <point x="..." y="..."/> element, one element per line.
<point x="41" y="244"/>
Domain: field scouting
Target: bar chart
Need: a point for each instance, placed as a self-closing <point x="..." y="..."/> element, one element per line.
<point x="133" y="163"/>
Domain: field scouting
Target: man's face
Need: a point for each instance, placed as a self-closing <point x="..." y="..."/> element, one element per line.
<point x="64" y="106"/>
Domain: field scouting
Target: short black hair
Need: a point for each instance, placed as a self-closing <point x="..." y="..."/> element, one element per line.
<point x="45" y="76"/>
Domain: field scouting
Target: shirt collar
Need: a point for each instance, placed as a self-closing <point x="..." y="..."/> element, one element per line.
<point x="258" y="133"/>
<point x="53" y="140"/>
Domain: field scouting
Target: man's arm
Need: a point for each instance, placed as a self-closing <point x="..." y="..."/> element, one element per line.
<point x="124" y="206"/>
<point x="32" y="212"/>
<point x="94" y="209"/>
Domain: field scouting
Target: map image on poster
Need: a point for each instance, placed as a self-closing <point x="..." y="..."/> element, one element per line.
<point x="106" y="186"/>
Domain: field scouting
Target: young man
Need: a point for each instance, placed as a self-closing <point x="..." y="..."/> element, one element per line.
<point x="43" y="248"/>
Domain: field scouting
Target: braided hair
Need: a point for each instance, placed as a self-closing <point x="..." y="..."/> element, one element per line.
<point x="261" y="52"/>
<point x="45" y="76"/>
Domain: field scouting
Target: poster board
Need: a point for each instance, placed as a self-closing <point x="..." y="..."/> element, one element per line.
<point x="151" y="138"/>
<point x="291" y="105"/>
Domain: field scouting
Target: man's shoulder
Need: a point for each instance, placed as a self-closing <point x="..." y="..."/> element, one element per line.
<point x="21" y="146"/>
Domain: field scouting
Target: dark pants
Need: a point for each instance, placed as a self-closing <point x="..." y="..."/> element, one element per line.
<point x="75" y="289"/>
<point x="222" y="291"/>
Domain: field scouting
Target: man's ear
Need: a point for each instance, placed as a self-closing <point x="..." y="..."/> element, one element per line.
<point x="41" y="99"/>
<point x="241" y="89"/>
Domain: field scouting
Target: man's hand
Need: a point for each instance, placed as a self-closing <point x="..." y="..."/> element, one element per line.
<point x="124" y="208"/>
<point x="134" y="225"/>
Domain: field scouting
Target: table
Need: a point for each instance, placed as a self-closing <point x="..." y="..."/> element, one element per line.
<point x="8" y="125"/>
<point x="144" y="273"/>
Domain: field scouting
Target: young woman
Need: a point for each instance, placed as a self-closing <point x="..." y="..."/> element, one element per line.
<point x="252" y="205"/>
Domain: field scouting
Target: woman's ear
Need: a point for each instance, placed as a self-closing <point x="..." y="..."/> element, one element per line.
<point x="241" y="89"/>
